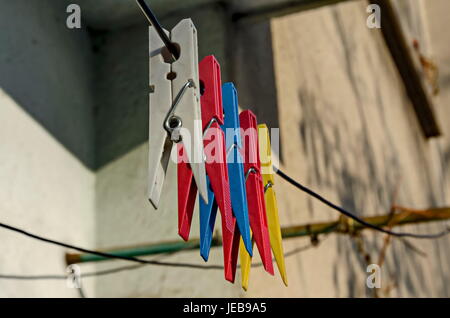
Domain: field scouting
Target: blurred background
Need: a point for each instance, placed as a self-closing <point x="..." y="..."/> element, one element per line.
<point x="358" y="123"/>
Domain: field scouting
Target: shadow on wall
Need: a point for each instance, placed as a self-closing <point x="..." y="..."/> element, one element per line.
<point x="121" y="91"/>
<point x="331" y="154"/>
<point x="47" y="69"/>
<point x="253" y="71"/>
<point x="341" y="160"/>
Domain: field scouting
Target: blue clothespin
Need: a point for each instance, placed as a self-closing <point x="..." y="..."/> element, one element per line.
<point x="235" y="163"/>
<point x="208" y="212"/>
<point x="236" y="177"/>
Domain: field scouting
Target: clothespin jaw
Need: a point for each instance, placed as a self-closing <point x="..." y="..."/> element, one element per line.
<point x="246" y="263"/>
<point x="187" y="193"/>
<point x="175" y="114"/>
<point x="235" y="164"/>
<point x="255" y="189"/>
<point x="273" y="221"/>
<point x="208" y="213"/>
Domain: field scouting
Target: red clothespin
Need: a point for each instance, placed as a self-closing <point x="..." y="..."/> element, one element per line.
<point x="255" y="188"/>
<point x="216" y="167"/>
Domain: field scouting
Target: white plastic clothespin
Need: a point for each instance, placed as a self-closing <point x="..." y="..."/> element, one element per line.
<point x="174" y="114"/>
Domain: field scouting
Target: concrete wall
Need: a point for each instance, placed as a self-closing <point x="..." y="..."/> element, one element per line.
<point x="46" y="190"/>
<point x="73" y="153"/>
<point x="348" y="131"/>
<point x="48" y="69"/>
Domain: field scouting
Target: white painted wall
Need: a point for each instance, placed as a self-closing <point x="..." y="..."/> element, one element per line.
<point x="43" y="189"/>
<point x="45" y="118"/>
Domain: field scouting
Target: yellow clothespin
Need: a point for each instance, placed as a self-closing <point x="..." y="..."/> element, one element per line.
<point x="271" y="210"/>
<point x="271" y="199"/>
<point x="246" y="262"/>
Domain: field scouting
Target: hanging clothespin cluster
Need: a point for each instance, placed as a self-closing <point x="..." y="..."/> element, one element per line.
<point x="223" y="156"/>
